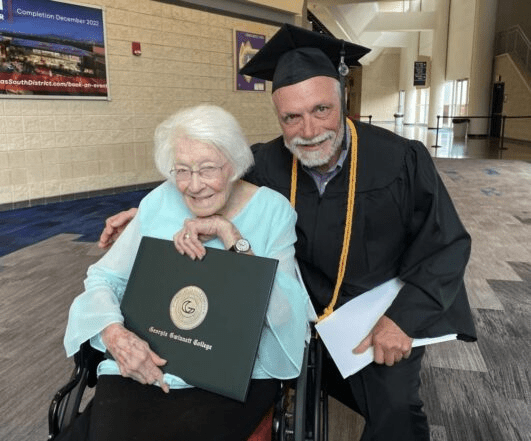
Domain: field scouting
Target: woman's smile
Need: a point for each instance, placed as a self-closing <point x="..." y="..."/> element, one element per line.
<point x="204" y="196"/>
<point x="200" y="199"/>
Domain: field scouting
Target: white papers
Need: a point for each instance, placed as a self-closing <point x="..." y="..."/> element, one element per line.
<point x="348" y="325"/>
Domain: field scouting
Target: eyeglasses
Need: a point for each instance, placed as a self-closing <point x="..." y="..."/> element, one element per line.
<point x="182" y="174"/>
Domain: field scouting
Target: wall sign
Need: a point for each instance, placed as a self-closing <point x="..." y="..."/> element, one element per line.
<point x="52" y="49"/>
<point x="246" y="45"/>
<point x="420" y="73"/>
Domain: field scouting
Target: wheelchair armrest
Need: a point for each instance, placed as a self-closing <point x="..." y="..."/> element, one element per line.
<point x="65" y="404"/>
<point x="89" y="358"/>
<point x="300" y="410"/>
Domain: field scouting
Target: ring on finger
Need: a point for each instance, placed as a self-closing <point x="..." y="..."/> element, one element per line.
<point x="187" y="236"/>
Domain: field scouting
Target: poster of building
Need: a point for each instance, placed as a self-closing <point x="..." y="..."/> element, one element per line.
<point x="52" y="49"/>
<point x="246" y="45"/>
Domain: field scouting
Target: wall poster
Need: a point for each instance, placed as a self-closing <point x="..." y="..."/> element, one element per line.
<point x="422" y="72"/>
<point x="419" y="75"/>
<point x="246" y="45"/>
<point x="52" y="49"/>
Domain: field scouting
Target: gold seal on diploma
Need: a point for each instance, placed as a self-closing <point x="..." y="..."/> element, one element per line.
<point x="189" y="307"/>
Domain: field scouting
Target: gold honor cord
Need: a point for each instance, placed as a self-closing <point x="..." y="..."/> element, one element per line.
<point x="349" y="218"/>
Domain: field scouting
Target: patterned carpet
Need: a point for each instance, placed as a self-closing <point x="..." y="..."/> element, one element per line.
<point x="20" y="228"/>
<point x="472" y="392"/>
<point x="482" y="391"/>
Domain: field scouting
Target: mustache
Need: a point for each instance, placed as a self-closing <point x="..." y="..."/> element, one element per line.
<point x="315" y="140"/>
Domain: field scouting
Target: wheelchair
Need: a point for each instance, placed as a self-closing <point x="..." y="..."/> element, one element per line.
<point x="300" y="413"/>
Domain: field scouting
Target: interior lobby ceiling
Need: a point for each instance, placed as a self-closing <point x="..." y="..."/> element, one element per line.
<point x="378" y="25"/>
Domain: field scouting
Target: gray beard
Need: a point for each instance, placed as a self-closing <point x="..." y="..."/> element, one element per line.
<point x="316" y="159"/>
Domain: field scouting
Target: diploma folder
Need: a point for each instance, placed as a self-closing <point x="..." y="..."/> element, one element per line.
<point x="218" y="354"/>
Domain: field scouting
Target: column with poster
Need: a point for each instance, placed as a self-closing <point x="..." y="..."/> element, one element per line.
<point x="50" y="49"/>
<point x="246" y="45"/>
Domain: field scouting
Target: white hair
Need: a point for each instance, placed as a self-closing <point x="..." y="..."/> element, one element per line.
<point x="208" y="124"/>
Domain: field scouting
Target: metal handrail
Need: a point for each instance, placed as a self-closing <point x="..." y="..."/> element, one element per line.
<point x="514" y="41"/>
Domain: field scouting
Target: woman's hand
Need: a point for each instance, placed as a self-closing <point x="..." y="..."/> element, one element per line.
<point x="133" y="356"/>
<point x="189" y="240"/>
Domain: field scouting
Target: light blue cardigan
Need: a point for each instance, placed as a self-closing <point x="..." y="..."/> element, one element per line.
<point x="267" y="221"/>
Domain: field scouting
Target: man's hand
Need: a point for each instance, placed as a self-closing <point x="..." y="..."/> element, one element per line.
<point x="114" y="226"/>
<point x="390" y="343"/>
<point x="133" y="355"/>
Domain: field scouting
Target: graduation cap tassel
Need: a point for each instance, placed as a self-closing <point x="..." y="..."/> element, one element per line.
<point x="343" y="72"/>
<point x="343" y="68"/>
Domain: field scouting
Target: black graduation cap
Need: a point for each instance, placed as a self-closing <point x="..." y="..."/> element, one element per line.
<point x="295" y="54"/>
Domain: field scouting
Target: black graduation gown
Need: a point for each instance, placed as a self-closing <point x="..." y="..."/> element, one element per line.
<point x="405" y="225"/>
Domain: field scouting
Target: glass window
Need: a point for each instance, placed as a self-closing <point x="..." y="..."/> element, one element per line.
<point x="423" y="104"/>
<point x="455" y="99"/>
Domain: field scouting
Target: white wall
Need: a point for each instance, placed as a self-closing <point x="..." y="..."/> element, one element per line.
<point x="50" y="148"/>
<point x="379" y="95"/>
<point x="460" y="39"/>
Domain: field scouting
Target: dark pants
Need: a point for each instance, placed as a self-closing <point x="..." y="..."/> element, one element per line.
<point x="387" y="397"/>
<point x="125" y="410"/>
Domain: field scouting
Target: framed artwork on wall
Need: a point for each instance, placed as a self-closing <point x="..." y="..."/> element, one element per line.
<point x="246" y="44"/>
<point x="51" y="49"/>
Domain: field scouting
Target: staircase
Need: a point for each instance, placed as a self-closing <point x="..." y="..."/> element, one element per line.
<point x="515" y="43"/>
<point x="513" y="64"/>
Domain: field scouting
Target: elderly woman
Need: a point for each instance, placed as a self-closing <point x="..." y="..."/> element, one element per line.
<point x="202" y="153"/>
